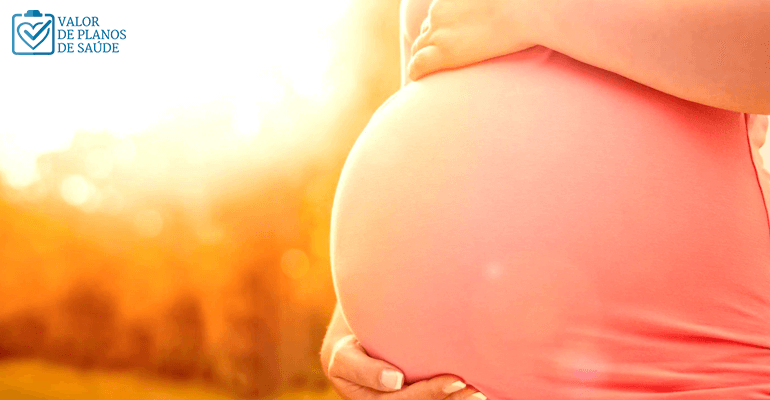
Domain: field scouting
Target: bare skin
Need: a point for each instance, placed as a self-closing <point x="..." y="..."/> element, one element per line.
<point x="712" y="52"/>
<point x="356" y="376"/>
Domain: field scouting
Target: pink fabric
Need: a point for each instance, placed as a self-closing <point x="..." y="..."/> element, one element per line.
<point x="546" y="229"/>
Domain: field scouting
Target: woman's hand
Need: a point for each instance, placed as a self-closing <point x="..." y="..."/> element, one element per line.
<point x="462" y="32"/>
<point x="356" y="376"/>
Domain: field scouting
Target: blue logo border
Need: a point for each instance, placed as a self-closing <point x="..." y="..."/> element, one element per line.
<point x="13" y="37"/>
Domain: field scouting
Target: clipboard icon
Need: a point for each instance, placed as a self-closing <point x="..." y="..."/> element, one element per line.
<point x="33" y="33"/>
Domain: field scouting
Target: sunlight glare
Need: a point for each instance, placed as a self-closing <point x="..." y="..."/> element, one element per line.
<point x="252" y="59"/>
<point x="99" y="163"/>
<point x="19" y="172"/>
<point x="124" y="152"/>
<point x="254" y="104"/>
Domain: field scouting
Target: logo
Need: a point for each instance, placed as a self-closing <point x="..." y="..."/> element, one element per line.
<point x="33" y="33"/>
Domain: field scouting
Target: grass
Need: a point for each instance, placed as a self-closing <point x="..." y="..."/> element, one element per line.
<point x="27" y="380"/>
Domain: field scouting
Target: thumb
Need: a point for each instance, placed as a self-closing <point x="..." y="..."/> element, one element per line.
<point x="349" y="361"/>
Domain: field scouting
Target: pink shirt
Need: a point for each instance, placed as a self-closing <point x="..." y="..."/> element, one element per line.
<point x="545" y="229"/>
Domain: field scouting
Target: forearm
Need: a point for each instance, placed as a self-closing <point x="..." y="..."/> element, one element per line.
<point x="713" y="52"/>
<point x="338" y="329"/>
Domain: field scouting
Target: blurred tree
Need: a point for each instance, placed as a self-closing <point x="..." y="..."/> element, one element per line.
<point x="250" y="364"/>
<point x="23" y="334"/>
<point x="136" y="348"/>
<point x="181" y="349"/>
<point x="89" y="315"/>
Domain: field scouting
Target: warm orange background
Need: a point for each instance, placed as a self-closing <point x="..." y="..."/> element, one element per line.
<point x="187" y="260"/>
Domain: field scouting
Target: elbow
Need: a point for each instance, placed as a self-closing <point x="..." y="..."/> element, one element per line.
<point x="764" y="106"/>
<point x="755" y="100"/>
<point x="761" y="106"/>
<point x="761" y="99"/>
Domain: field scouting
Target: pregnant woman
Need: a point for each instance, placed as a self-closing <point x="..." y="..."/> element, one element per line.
<point x="583" y="218"/>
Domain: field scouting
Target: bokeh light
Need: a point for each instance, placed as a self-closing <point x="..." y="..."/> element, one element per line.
<point x="76" y="190"/>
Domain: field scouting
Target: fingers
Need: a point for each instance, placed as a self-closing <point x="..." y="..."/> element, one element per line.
<point x="442" y="387"/>
<point x="360" y="377"/>
<point x="420" y="42"/>
<point x="429" y="52"/>
<point x="349" y="361"/>
<point x="426" y="60"/>
<point x="467" y="393"/>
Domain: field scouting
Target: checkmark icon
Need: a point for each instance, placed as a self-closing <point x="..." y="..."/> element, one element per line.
<point x="39" y="30"/>
<point x="33" y="37"/>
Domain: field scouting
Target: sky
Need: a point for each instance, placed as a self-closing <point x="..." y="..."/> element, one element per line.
<point x="174" y="60"/>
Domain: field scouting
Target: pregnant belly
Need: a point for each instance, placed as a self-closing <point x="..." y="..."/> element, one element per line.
<point x="546" y="229"/>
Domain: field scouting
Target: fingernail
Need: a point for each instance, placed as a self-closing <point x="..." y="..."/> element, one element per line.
<point x="478" y="396"/>
<point x="392" y="379"/>
<point x="453" y="387"/>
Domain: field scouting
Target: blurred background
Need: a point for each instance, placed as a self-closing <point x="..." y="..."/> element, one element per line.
<point x="165" y="211"/>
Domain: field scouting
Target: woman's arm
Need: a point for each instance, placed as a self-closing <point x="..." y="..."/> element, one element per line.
<point x="713" y="52"/>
